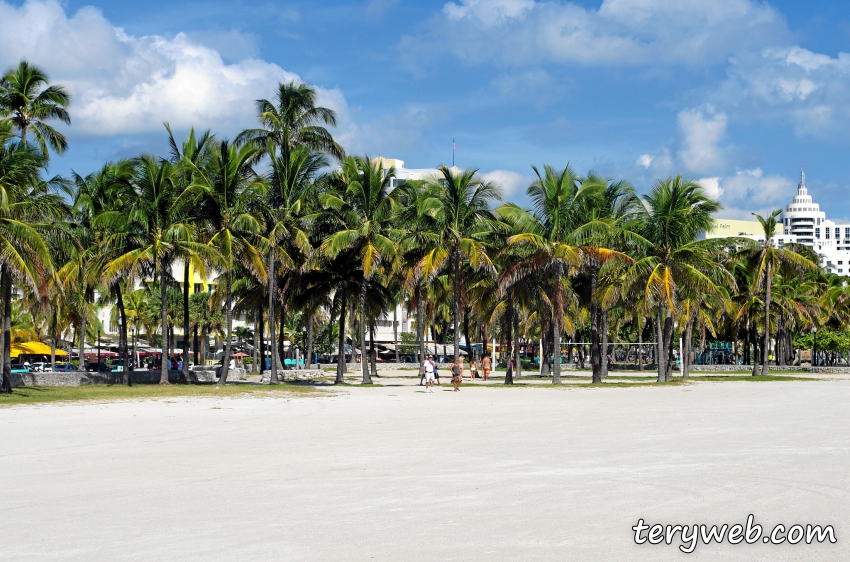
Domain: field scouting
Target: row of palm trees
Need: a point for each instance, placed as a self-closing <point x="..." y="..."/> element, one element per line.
<point x="291" y="226"/>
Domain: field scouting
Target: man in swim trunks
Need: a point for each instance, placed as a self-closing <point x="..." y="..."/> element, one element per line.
<point x="485" y="365"/>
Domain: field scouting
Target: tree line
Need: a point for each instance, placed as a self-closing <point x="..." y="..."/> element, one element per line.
<point x="292" y="227"/>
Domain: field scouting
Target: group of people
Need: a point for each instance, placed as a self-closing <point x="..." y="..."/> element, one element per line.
<point x="431" y="374"/>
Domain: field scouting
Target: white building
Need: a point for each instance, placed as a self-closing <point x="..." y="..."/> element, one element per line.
<point x="802" y="222"/>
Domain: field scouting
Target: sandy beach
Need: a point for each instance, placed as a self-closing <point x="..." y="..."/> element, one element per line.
<point x="392" y="473"/>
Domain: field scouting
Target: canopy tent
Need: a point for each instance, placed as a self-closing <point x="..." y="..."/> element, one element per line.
<point x="32" y="348"/>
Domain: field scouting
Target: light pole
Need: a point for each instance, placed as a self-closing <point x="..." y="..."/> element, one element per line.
<point x="98" y="349"/>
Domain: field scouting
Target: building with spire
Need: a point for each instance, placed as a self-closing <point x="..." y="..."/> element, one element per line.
<point x="802" y="222"/>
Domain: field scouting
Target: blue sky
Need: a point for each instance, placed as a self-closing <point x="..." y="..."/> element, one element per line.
<point x="738" y="94"/>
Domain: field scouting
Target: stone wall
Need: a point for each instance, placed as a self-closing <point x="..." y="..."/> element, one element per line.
<point x="76" y="378"/>
<point x="294" y="375"/>
<point x="797" y="369"/>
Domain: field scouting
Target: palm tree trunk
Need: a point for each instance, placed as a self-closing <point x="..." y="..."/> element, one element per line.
<point x="372" y="358"/>
<point x="395" y="332"/>
<point x="364" y="367"/>
<point x="274" y="359"/>
<point x="53" y="321"/>
<point x="128" y="380"/>
<point x="603" y="367"/>
<point x="84" y="319"/>
<point x="196" y="345"/>
<point x="755" y="338"/>
<point x="668" y="339"/>
<point x="517" y="358"/>
<point x="686" y="349"/>
<point x="595" y="352"/>
<point x="556" y="348"/>
<point x="228" y="304"/>
<point x="281" y="338"/>
<point x="660" y="348"/>
<point x="456" y="303"/>
<point x="639" y="353"/>
<point x="310" y="341"/>
<point x="340" y="360"/>
<point x="163" y="311"/>
<point x="508" y="322"/>
<point x="765" y="364"/>
<point x="353" y="328"/>
<point x="255" y="366"/>
<point x="6" y="351"/>
<point x="184" y="373"/>
<point x="420" y="325"/>
<point x="262" y="334"/>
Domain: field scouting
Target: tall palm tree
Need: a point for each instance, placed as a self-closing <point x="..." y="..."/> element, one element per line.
<point x="463" y="223"/>
<point x="26" y="206"/>
<point x="229" y="196"/>
<point x="157" y="221"/>
<point x="676" y="211"/>
<point x="549" y="231"/>
<point x="290" y="192"/>
<point x="766" y="261"/>
<point x="366" y="207"/>
<point x="292" y="120"/>
<point x="194" y="152"/>
<point x="30" y="102"/>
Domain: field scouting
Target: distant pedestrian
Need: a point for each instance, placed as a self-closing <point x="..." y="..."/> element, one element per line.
<point x="429" y="374"/>
<point x="473" y="370"/>
<point x="485" y="365"/>
<point x="457" y="374"/>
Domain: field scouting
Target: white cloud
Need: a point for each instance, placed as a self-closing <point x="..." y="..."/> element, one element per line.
<point x="792" y="84"/>
<point x="751" y="191"/>
<point x="510" y="182"/>
<point x="711" y="187"/>
<point x="620" y="32"/>
<point x="127" y="84"/>
<point x="702" y="130"/>
<point x="644" y="160"/>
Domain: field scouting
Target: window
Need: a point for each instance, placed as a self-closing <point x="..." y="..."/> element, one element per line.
<point x="840" y="262"/>
<point x="840" y="270"/>
<point x="199" y="287"/>
<point x="787" y="231"/>
<point x="817" y="233"/>
<point x="847" y="233"/>
<point x="827" y="232"/>
<point x="829" y="263"/>
<point x="210" y="288"/>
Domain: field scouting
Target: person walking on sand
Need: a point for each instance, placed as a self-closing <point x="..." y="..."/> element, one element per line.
<point x="457" y="374"/>
<point x="485" y="364"/>
<point x="473" y="370"/>
<point x="429" y="375"/>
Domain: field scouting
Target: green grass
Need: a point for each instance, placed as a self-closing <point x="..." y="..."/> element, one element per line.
<point x="46" y="394"/>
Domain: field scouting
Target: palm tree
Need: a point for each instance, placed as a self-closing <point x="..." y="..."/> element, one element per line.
<point x="229" y="197"/>
<point x="463" y="222"/>
<point x="157" y="219"/>
<point x="550" y="232"/>
<point x="194" y="152"/>
<point x="366" y="208"/>
<point x="670" y="222"/>
<point x="26" y="206"/>
<point x="26" y="97"/>
<point x="291" y="190"/>
<point x="292" y="121"/>
<point x="766" y="261"/>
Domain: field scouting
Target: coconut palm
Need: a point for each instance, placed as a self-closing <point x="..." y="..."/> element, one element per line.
<point x="29" y="102"/>
<point x="156" y="220"/>
<point x="676" y="211"/>
<point x="292" y="121"/>
<point x="366" y="209"/>
<point x="229" y="196"/>
<point x="766" y="261"/>
<point x="462" y="224"/>
<point x="26" y="207"/>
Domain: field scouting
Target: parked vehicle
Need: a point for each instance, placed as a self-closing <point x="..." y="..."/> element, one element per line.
<point x="65" y="368"/>
<point x="20" y="369"/>
<point x="40" y="367"/>
<point x="99" y="368"/>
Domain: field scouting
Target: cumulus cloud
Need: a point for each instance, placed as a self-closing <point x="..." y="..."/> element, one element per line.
<point x="510" y="182"/>
<point x="127" y="84"/>
<point x="619" y="32"/>
<point x="792" y="84"/>
<point x="702" y="130"/>
<point x="644" y="160"/>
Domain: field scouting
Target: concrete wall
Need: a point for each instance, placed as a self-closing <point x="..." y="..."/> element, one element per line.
<point x="80" y="379"/>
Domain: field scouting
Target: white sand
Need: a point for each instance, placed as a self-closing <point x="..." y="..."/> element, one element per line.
<point x="394" y="474"/>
